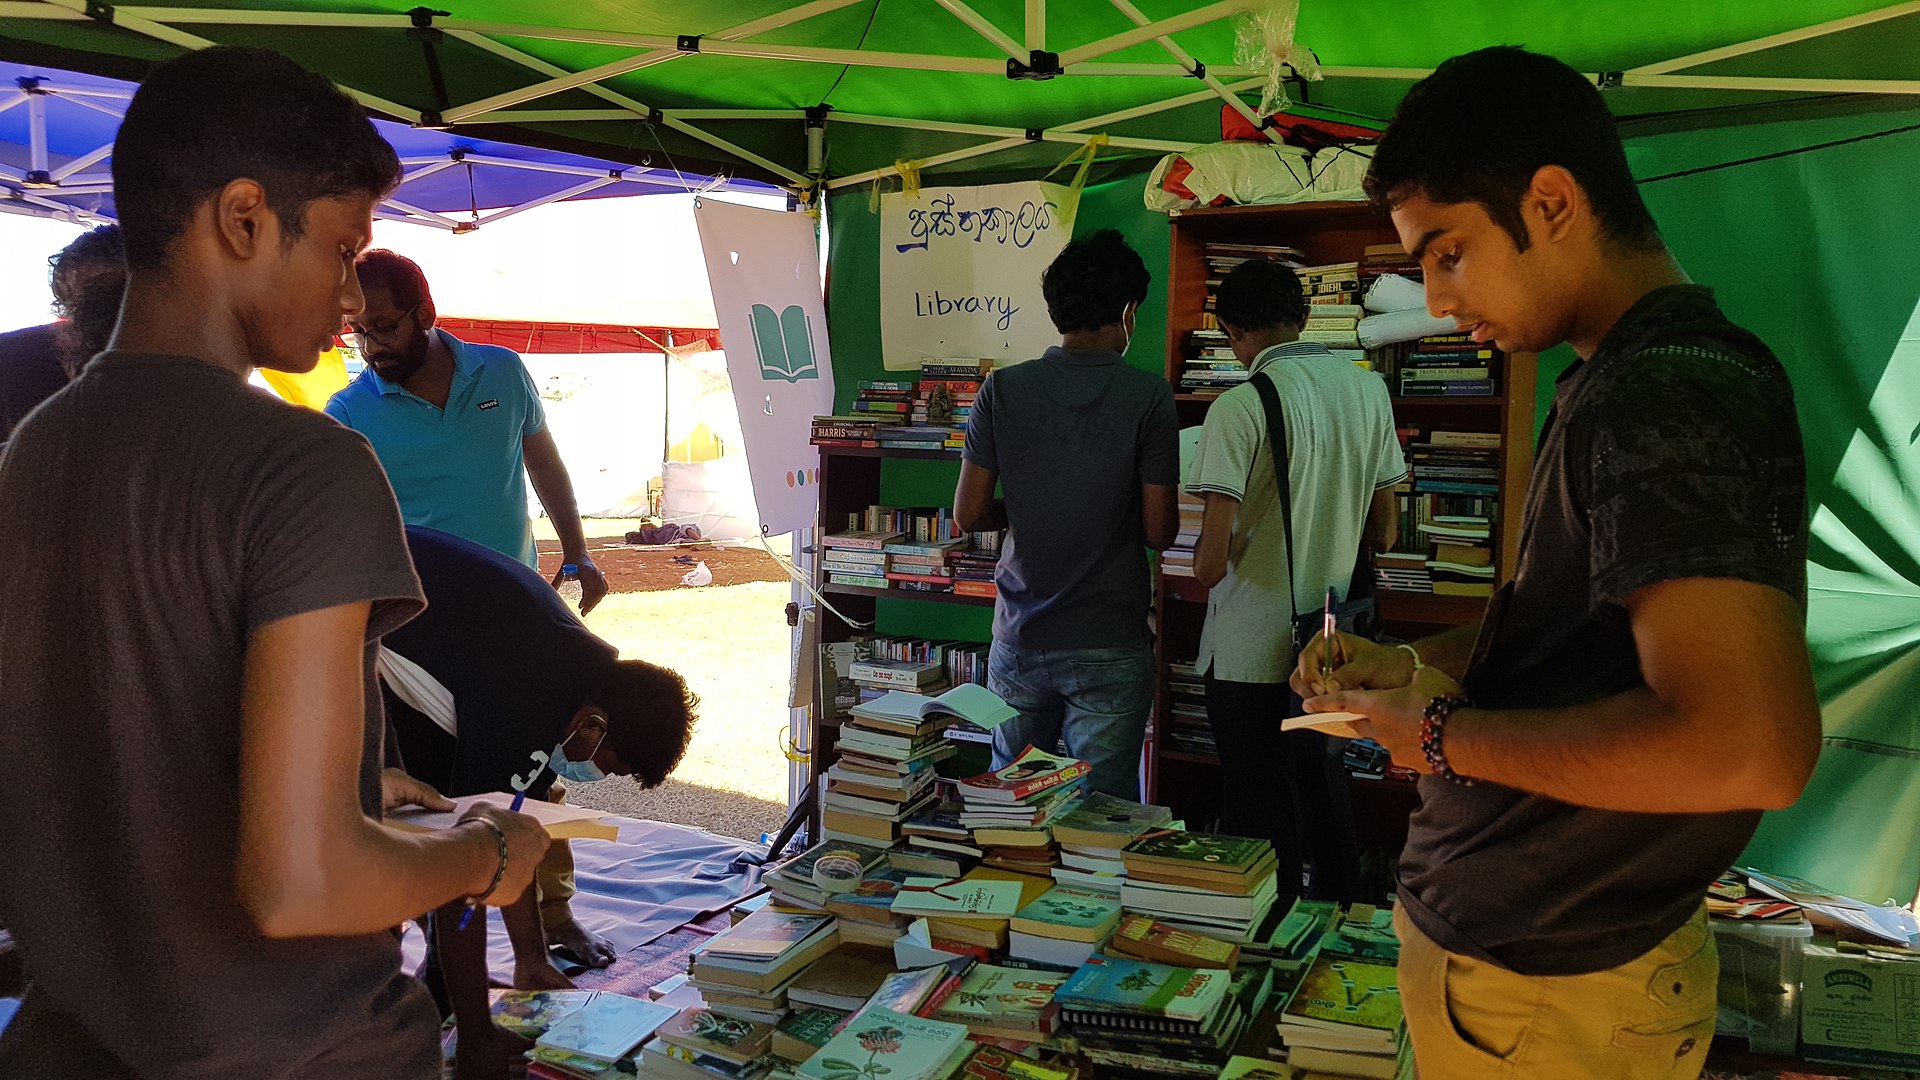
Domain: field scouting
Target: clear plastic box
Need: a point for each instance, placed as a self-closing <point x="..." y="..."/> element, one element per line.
<point x="1760" y="982"/>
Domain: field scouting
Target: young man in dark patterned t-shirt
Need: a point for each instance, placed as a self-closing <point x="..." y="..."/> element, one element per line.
<point x="1641" y="690"/>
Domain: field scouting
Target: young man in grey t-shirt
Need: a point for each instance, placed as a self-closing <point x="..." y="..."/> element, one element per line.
<point x="1085" y="448"/>
<point x="194" y="864"/>
<point x="1343" y="461"/>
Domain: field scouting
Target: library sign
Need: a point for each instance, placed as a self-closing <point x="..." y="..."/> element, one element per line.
<point x="960" y="271"/>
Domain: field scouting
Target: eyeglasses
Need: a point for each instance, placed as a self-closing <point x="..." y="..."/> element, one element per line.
<point x="383" y="336"/>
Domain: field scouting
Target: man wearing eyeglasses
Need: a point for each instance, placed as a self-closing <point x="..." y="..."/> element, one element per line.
<point x="458" y="427"/>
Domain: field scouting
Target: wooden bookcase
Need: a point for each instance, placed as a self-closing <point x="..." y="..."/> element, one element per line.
<point x="850" y="481"/>
<point x="1328" y="232"/>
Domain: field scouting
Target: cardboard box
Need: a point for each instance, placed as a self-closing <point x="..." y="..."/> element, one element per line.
<point x="1860" y="1008"/>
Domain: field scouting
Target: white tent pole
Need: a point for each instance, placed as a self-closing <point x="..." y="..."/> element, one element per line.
<point x="1410" y="74"/>
<point x="981" y="25"/>
<point x="226" y="16"/>
<point x="735" y="149"/>
<point x="90" y="92"/>
<point x="66" y="190"/>
<point x="1138" y="111"/>
<point x="29" y="206"/>
<point x="643" y="60"/>
<point x="953" y="128"/>
<point x="128" y="19"/>
<point x="558" y="196"/>
<point x="1185" y="59"/>
<point x="535" y="166"/>
<point x="111" y="109"/>
<point x="738" y="114"/>
<point x="1771" y="41"/>
<point x="428" y="214"/>
<point x="938" y="159"/>
<point x="1036" y="24"/>
<point x="11" y="98"/>
<point x="389" y="215"/>
<point x="1775" y="84"/>
<point x="34" y="9"/>
<point x="549" y="116"/>
<point x="426" y="170"/>
<point x="1184" y="21"/>
<point x="1101" y="68"/>
<point x="803" y="53"/>
<point x="537" y="64"/>
<point x="98" y="153"/>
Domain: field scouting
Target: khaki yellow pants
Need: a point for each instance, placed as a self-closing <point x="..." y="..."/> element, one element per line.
<point x="1648" y="1019"/>
<point x="554" y="878"/>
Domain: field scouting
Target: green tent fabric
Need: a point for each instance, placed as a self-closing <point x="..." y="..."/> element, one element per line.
<point x="1810" y="250"/>
<point x="486" y="48"/>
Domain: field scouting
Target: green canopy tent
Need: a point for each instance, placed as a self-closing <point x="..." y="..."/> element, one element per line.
<point x="1775" y="142"/>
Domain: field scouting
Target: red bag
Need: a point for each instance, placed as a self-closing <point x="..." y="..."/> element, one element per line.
<point x="1301" y="131"/>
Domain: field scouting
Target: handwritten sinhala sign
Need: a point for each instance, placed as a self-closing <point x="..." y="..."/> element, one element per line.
<point x="960" y="271"/>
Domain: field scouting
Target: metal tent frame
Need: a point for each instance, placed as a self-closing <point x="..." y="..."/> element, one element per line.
<point x="1031" y="54"/>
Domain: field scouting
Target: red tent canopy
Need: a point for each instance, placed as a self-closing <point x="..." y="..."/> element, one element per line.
<point x="568" y="338"/>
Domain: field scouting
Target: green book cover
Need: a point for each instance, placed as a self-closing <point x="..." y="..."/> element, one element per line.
<point x="881" y="1042"/>
<point x="1002" y="997"/>
<point x="1103" y="821"/>
<point x="1205" y="850"/>
<point x="812" y="1026"/>
<point x="1251" y="1068"/>
<point x="1116" y="985"/>
<point x="1069" y="912"/>
<point x="1348" y="992"/>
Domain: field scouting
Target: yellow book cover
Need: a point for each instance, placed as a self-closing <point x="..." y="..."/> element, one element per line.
<point x="1345" y="991"/>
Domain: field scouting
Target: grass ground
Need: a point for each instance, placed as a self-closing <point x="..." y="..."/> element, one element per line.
<point x="731" y="644"/>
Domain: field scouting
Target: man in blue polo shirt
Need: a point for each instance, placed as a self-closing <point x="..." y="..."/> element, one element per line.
<point x="458" y="427"/>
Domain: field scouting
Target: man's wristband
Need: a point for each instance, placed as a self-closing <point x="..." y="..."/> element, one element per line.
<point x="500" y="872"/>
<point x="1433" y="734"/>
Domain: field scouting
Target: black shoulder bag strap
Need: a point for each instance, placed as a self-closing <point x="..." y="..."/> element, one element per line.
<point x="1355" y="614"/>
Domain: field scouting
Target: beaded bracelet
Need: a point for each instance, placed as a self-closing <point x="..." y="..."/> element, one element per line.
<point x="1433" y="731"/>
<point x="500" y="872"/>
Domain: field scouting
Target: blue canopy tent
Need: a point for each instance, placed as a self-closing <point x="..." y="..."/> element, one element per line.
<point x="56" y="150"/>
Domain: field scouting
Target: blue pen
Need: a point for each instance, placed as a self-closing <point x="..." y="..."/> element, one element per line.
<point x="520" y="787"/>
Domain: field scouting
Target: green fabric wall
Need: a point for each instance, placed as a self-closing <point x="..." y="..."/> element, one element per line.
<point x="1814" y="252"/>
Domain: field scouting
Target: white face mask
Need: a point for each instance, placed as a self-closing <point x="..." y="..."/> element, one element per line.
<point x="580" y="772"/>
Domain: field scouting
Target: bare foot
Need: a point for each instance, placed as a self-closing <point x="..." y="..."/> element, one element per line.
<point x="540" y="975"/>
<point x="487" y="1058"/>
<point x="588" y="947"/>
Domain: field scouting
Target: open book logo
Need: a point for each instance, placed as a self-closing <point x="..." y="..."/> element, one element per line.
<point x="785" y="343"/>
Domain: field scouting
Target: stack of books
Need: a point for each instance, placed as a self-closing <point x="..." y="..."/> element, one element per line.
<point x="1344" y="1017"/>
<point x="922" y="564"/>
<point x="1177" y="560"/>
<point x="1065" y="926"/>
<point x="886" y="758"/>
<point x="1401" y="571"/>
<point x="1027" y="794"/>
<point x="921" y="437"/>
<point x="936" y="838"/>
<point x="745" y="970"/>
<point x="791" y="880"/>
<point x="1462" y="556"/>
<point x="859" y="429"/>
<point x="1378" y="259"/>
<point x="1189" y="728"/>
<point x="947" y="391"/>
<point x="974" y="566"/>
<point x="581" y="1035"/>
<point x="1335" y="284"/>
<point x="1336" y="326"/>
<point x="1141" y="937"/>
<point x="857" y="557"/>
<point x="1092" y="834"/>
<point x="1132" y="1017"/>
<point x="890" y="398"/>
<point x="1221" y="886"/>
<point x="803" y="1033"/>
<point x="1211" y="368"/>
<point x="970" y="913"/>
<point x="1004" y="1003"/>
<point x="701" y="1042"/>
<point x="1450" y="365"/>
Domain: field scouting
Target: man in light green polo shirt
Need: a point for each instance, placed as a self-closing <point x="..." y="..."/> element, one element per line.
<point x="1343" y="462"/>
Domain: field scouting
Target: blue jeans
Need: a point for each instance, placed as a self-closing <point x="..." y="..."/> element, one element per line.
<point x="1097" y="700"/>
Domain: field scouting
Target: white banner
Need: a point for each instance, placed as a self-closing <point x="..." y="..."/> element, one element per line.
<point x="764" y="269"/>
<point x="960" y="271"/>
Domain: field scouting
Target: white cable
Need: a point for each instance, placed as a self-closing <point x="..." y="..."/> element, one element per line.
<point x="794" y="572"/>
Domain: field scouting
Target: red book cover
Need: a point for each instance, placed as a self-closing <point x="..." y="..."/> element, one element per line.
<point x="1033" y="772"/>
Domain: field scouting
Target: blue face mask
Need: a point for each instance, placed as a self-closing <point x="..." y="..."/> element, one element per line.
<point x="580" y="772"/>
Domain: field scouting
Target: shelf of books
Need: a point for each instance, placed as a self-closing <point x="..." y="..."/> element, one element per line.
<point x="1464" y="413"/>
<point x="870" y="554"/>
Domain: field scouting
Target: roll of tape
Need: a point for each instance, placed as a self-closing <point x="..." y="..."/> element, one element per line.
<point x="837" y="872"/>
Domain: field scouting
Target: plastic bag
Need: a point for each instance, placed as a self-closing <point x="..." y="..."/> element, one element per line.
<point x="699" y="575"/>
